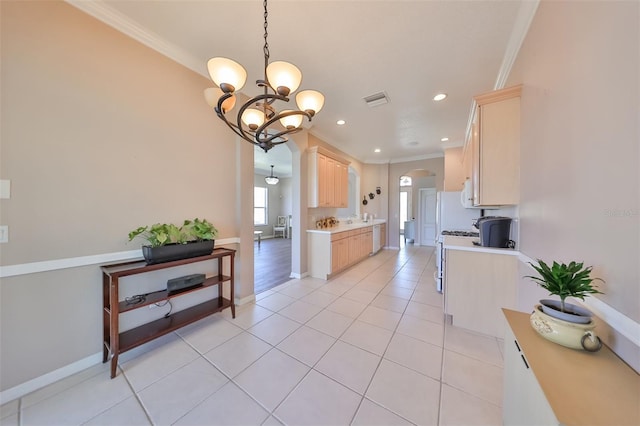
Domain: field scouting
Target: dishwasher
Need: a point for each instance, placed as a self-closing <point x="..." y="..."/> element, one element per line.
<point x="376" y="239"/>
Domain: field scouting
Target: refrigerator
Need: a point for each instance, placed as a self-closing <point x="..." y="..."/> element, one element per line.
<point x="451" y="216"/>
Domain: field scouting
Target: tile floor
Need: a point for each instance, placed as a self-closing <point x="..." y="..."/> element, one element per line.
<point x="369" y="347"/>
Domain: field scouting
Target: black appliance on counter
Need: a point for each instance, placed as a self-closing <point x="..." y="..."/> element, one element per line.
<point x="495" y="231"/>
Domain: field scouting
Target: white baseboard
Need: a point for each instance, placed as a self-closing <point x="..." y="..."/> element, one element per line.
<point x="245" y="300"/>
<point x="299" y="276"/>
<point x="49" y="378"/>
<point x="68" y="370"/>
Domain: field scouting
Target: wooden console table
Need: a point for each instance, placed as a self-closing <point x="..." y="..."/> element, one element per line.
<point x="116" y="342"/>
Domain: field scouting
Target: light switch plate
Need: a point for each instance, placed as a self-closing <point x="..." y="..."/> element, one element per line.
<point x="5" y="189"/>
<point x="4" y="233"/>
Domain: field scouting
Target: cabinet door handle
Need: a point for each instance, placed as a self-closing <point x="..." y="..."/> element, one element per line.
<point x="525" y="361"/>
<point x="517" y="345"/>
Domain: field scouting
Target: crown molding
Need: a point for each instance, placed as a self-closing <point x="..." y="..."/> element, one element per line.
<point x="521" y="26"/>
<point x="127" y="26"/>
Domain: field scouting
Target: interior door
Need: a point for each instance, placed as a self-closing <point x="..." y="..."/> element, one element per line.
<point x="427" y="216"/>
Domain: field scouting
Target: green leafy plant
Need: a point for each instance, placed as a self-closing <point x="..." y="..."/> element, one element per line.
<point x="565" y="280"/>
<point x="199" y="230"/>
<point x="166" y="233"/>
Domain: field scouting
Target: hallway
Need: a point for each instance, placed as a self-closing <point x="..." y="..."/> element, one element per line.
<point x="271" y="263"/>
<point x="369" y="346"/>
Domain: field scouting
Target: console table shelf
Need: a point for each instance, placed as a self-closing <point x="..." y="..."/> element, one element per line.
<point x="116" y="342"/>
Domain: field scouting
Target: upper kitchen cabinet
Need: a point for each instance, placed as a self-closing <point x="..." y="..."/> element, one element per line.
<point x="495" y="148"/>
<point x="328" y="179"/>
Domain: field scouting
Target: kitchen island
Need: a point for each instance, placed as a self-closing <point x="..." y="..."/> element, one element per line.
<point x="478" y="283"/>
<point x="332" y="250"/>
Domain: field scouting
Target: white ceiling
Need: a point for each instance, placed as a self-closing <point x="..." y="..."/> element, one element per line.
<point x="348" y="50"/>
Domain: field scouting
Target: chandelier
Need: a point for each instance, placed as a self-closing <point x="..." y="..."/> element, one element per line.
<point x="271" y="180"/>
<point x="256" y="118"/>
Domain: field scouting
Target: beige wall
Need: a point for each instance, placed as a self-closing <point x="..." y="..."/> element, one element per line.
<point x="579" y="165"/>
<point x="373" y="176"/>
<point x="99" y="136"/>
<point x="580" y="185"/>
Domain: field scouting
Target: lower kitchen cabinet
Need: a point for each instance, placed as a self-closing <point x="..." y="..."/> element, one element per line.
<point x="477" y="285"/>
<point x="524" y="402"/>
<point x="339" y="252"/>
<point x="332" y="252"/>
<point x="548" y="384"/>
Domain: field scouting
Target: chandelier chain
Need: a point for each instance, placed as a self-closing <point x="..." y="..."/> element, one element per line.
<point x="266" y="34"/>
<point x="258" y="129"/>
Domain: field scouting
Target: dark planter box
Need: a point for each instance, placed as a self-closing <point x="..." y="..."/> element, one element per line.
<point x="172" y="252"/>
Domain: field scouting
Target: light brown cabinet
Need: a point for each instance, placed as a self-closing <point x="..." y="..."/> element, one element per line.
<point x="341" y="185"/>
<point x="495" y="148"/>
<point x="383" y="235"/>
<point x="360" y="244"/>
<point x="339" y="251"/>
<point x="328" y="179"/>
<point x="330" y="253"/>
<point x="467" y="154"/>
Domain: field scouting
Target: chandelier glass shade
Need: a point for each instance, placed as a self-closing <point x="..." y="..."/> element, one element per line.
<point x="271" y="180"/>
<point x="257" y="120"/>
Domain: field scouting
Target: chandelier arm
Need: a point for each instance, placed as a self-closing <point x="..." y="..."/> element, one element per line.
<point x="250" y="103"/>
<point x="280" y="135"/>
<point x="237" y="131"/>
<point x="270" y="137"/>
<point x="260" y="131"/>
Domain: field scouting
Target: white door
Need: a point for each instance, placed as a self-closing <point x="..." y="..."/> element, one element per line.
<point x="427" y="216"/>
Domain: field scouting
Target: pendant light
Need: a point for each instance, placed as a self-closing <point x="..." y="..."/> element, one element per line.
<point x="271" y="180"/>
<point x="256" y="118"/>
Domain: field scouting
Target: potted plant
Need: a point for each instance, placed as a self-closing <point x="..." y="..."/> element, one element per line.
<point x="565" y="280"/>
<point x="564" y="323"/>
<point x="167" y="242"/>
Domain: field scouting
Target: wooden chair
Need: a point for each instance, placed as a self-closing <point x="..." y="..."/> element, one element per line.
<point x="280" y="226"/>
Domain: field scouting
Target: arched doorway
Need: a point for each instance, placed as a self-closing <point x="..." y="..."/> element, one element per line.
<point x="273" y="217"/>
<point x="417" y="207"/>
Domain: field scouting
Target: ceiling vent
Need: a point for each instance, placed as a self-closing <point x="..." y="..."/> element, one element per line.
<point x="377" y="99"/>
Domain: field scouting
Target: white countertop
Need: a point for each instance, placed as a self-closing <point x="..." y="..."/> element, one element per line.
<point x="347" y="227"/>
<point x="466" y="244"/>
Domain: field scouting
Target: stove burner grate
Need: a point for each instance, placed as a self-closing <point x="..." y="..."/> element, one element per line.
<point x="461" y="233"/>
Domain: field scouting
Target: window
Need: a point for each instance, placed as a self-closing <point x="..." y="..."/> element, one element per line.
<point x="405" y="206"/>
<point x="405" y="180"/>
<point x="259" y="205"/>
<point x="405" y="200"/>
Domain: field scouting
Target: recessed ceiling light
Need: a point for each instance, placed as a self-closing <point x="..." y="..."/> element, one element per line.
<point x="444" y="140"/>
<point x="413" y="143"/>
<point x="439" y="96"/>
<point x="376" y="150"/>
<point x="340" y="122"/>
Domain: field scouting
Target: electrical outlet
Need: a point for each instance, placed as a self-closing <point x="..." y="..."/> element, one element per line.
<point x="153" y="306"/>
<point x="4" y="234"/>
